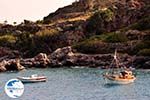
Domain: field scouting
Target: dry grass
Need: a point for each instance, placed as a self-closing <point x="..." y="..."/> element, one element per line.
<point x="84" y="17"/>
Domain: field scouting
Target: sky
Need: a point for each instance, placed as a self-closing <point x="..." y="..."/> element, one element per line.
<point x="18" y="10"/>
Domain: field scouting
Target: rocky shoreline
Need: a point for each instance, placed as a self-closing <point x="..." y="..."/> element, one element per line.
<point x="66" y="57"/>
<point x="92" y="27"/>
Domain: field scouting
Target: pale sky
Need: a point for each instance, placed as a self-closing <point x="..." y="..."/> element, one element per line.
<point x="18" y="10"/>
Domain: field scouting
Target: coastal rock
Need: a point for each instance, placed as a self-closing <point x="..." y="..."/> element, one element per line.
<point x="13" y="64"/>
<point x="59" y="56"/>
<point x="2" y="66"/>
<point x="66" y="56"/>
<point x="61" y="52"/>
<point x="27" y="62"/>
<point x="142" y="62"/>
<point x="41" y="60"/>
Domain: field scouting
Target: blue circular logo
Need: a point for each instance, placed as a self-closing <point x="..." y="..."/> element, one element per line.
<point x="14" y="88"/>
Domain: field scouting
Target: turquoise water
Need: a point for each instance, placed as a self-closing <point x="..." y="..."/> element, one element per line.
<point x="78" y="84"/>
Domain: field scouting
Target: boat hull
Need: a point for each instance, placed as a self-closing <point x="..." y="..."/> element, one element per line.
<point x="32" y="80"/>
<point x="112" y="80"/>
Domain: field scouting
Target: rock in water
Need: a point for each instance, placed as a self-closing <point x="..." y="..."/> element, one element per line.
<point x="13" y="64"/>
<point x="41" y="59"/>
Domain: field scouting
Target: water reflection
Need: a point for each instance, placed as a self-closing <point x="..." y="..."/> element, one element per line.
<point x="111" y="85"/>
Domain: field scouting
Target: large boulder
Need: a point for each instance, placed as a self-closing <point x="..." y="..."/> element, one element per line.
<point x="41" y="60"/>
<point x="59" y="56"/>
<point x="2" y="66"/>
<point x="13" y="64"/>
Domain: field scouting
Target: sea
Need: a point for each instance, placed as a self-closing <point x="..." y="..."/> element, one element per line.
<point x="77" y="84"/>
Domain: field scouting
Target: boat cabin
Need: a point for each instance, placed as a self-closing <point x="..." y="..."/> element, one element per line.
<point x="126" y="74"/>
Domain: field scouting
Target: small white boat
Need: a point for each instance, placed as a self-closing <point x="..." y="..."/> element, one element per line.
<point x="119" y="74"/>
<point x="33" y="79"/>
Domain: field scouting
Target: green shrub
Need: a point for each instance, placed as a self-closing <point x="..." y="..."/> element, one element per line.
<point x="143" y="24"/>
<point x="47" y="32"/>
<point x="107" y="15"/>
<point x="116" y="37"/>
<point x="96" y="44"/>
<point x="144" y="52"/>
<point x="142" y="45"/>
<point x="97" y="23"/>
<point x="101" y="37"/>
<point x="88" y="47"/>
<point x="7" y="40"/>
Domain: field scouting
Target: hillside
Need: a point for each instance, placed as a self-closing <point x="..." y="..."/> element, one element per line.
<point x="96" y="22"/>
<point x="88" y="26"/>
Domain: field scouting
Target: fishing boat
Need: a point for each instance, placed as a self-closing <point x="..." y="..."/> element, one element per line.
<point x="118" y="73"/>
<point x="33" y="79"/>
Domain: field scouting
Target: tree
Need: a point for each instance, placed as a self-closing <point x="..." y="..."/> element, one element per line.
<point x="14" y="23"/>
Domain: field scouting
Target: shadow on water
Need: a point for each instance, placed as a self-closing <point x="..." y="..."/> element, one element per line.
<point x="32" y="82"/>
<point x="111" y="85"/>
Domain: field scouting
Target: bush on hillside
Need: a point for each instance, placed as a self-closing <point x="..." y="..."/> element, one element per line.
<point x="141" y="45"/>
<point x="97" y="23"/>
<point x="7" y="40"/>
<point x="116" y="37"/>
<point x="47" y="32"/>
<point x="143" y="24"/>
<point x="144" y="52"/>
<point x="91" y="47"/>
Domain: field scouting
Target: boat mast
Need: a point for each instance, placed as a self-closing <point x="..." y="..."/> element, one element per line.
<point x="115" y="63"/>
<point x="115" y="58"/>
<point x="114" y="66"/>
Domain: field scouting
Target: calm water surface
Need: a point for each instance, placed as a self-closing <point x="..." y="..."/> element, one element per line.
<point x="78" y="84"/>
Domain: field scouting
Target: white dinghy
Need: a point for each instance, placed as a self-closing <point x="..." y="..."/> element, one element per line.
<point x="33" y="78"/>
